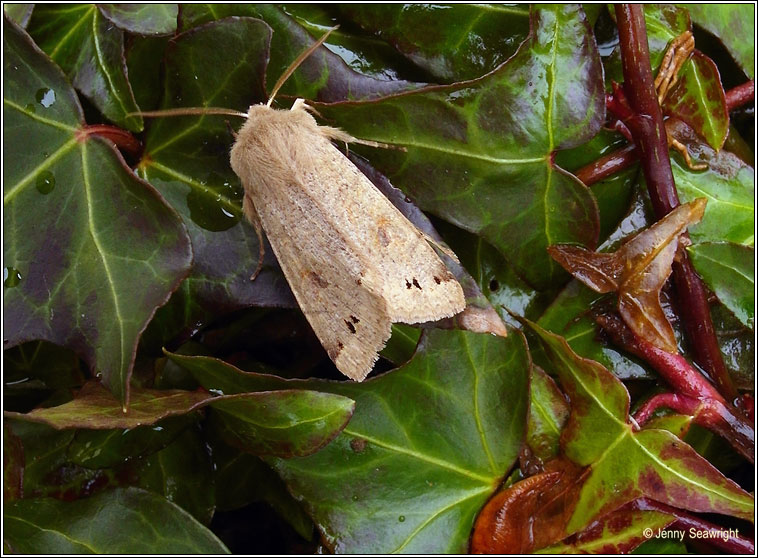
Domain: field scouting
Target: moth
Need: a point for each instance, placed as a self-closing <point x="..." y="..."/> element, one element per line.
<point x="353" y="261"/>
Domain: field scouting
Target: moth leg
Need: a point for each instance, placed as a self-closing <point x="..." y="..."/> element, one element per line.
<point x="231" y="130"/>
<point x="248" y="209"/>
<point x="339" y="135"/>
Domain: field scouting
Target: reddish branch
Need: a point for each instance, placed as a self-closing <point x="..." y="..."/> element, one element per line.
<point x="740" y="95"/>
<point x="649" y="132"/>
<point x="123" y="139"/>
<point x="693" y="394"/>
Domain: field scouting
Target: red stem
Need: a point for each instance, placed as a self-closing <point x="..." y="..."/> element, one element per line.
<point x="626" y="156"/>
<point x="740" y="95"/>
<point x="652" y="142"/>
<point x="123" y="139"/>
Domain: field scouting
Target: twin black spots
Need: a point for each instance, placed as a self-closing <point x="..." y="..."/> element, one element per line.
<point x="414" y="283"/>
<point x="351" y="323"/>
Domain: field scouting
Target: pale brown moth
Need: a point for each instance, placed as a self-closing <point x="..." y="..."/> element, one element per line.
<point x="354" y="263"/>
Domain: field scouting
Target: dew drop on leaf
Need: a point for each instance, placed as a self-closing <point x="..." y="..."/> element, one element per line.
<point x="45" y="182"/>
<point x="45" y="97"/>
<point x="30" y="108"/>
<point x="401" y="518"/>
<point x="11" y="277"/>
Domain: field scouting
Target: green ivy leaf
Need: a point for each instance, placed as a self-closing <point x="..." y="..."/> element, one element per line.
<point x="91" y="51"/>
<point x="625" y="464"/>
<point x="728" y="269"/>
<point x="548" y="413"/>
<point x="408" y="478"/>
<point x="121" y="521"/>
<point x="479" y="154"/>
<point x="95" y="231"/>
<point x="734" y="25"/>
<point x="324" y="76"/>
<point x="20" y="14"/>
<point x="452" y="42"/>
<point x="142" y="19"/>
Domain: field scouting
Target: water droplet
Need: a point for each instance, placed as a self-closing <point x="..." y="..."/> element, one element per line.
<point x="30" y="108"/>
<point x="11" y="277"/>
<point x="45" y="97"/>
<point x="212" y="204"/>
<point x="355" y="497"/>
<point x="401" y="518"/>
<point x="45" y="182"/>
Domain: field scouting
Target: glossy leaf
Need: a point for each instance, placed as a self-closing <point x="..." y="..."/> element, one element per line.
<point x="324" y="76"/>
<point x="182" y="472"/>
<point x="548" y="413"/>
<point x="728" y="269"/>
<point x="729" y="185"/>
<point x="122" y="521"/>
<point x="619" y="532"/>
<point x="283" y="423"/>
<point x="368" y="491"/>
<point x="19" y="13"/>
<point x="91" y="52"/>
<point x="637" y="271"/>
<point x="408" y="479"/>
<point x="142" y="19"/>
<point x="287" y="423"/>
<point x="698" y="99"/>
<point x="480" y="154"/>
<point x="72" y="280"/>
<point x="624" y="464"/>
<point x="452" y="42"/>
<point x="734" y="25"/>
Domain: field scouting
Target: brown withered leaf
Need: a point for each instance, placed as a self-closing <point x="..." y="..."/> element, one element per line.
<point x="637" y="271"/>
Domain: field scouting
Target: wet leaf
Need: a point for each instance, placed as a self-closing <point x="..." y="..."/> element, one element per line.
<point x="698" y="99"/>
<point x="142" y="19"/>
<point x="368" y="491"/>
<point x="90" y="50"/>
<point x="452" y="42"/>
<point x="122" y="521"/>
<point x="619" y="532"/>
<point x="548" y="413"/>
<point x="734" y="25"/>
<point x="625" y="464"/>
<point x="19" y="13"/>
<point x="72" y="280"/>
<point x="728" y="269"/>
<point x="182" y="472"/>
<point x="285" y="423"/>
<point x="729" y="185"/>
<point x="400" y="478"/>
<point x="480" y="154"/>
<point x="242" y="478"/>
<point x="637" y="271"/>
<point x="324" y="76"/>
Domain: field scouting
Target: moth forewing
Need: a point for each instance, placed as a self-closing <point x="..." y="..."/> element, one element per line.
<point x="353" y="261"/>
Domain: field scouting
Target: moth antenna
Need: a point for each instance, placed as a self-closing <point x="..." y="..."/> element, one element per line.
<point x="189" y="111"/>
<point x="294" y="66"/>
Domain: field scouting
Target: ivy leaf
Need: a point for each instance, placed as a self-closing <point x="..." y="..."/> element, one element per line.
<point x="699" y="100"/>
<point x="122" y="521"/>
<point x="142" y="19"/>
<point x="284" y="423"/>
<point x="637" y="271"/>
<point x="72" y="280"/>
<point x="324" y="76"/>
<point x="734" y="25"/>
<point x="90" y="50"/>
<point x="728" y="269"/>
<point x="369" y="490"/>
<point x="452" y="42"/>
<point x="624" y="464"/>
<point x="548" y="413"/>
<point x="20" y="14"/>
<point x="479" y="154"/>
<point x="728" y="184"/>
